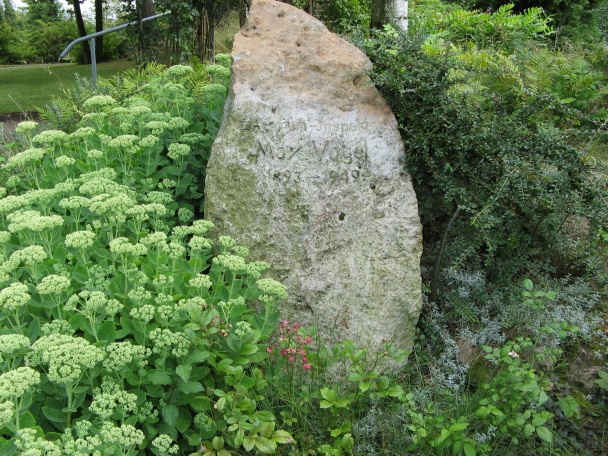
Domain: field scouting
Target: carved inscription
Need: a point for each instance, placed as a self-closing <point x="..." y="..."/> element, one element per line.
<point x="340" y="162"/>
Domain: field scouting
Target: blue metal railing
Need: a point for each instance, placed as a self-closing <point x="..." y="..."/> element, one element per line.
<point x="92" y="37"/>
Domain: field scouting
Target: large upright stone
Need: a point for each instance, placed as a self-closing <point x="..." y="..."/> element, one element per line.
<point x="307" y="172"/>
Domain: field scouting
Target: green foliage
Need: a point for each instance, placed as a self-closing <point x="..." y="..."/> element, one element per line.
<point x="121" y="331"/>
<point x="470" y="150"/>
<point x="573" y="16"/>
<point x="48" y="39"/>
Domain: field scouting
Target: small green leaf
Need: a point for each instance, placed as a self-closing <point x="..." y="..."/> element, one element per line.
<point x="528" y="285"/>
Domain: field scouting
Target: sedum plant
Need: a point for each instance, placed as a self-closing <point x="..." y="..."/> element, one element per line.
<point x="121" y="332"/>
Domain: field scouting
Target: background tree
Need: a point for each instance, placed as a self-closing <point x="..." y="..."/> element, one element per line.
<point x="42" y="10"/>
<point x="81" y="29"/>
<point x="99" y="28"/>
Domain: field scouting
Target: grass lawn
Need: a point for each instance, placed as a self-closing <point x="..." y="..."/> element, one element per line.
<point x="25" y="87"/>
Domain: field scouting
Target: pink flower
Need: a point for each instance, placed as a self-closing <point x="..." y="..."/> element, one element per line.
<point x="308" y="340"/>
<point x="269" y="349"/>
<point x="304" y="359"/>
<point x="512" y="354"/>
<point x="292" y="359"/>
<point x="283" y="352"/>
<point x="284" y="324"/>
<point x="307" y="366"/>
<point x="303" y="352"/>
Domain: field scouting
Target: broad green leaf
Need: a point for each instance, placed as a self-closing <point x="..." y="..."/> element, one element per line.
<point x="248" y="443"/>
<point x="265" y="445"/>
<point x="282" y="437"/>
<point x="170" y="414"/>
<point x="190" y="387"/>
<point x="157" y="377"/>
<point x="545" y="434"/>
<point x="184" y="371"/>
<point x="469" y="450"/>
<point x="54" y="415"/>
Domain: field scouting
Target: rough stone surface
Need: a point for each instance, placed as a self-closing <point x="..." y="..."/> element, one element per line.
<point x="306" y="171"/>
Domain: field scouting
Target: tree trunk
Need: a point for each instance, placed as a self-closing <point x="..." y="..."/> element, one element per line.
<point x="378" y="14"/>
<point x="99" y="28"/>
<point x="398" y="13"/>
<point x="81" y="30"/>
<point x="210" y="51"/>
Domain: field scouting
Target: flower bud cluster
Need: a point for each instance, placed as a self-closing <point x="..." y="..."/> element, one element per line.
<point x="291" y="345"/>
<point x="67" y="357"/>
<point x="15" y="383"/>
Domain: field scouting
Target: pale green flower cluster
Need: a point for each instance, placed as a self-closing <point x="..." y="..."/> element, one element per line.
<point x="178" y="123"/>
<point x="167" y="184"/>
<point x="232" y="262"/>
<point x="94" y="302"/>
<point x="14" y="296"/>
<point x="27" y="156"/>
<point x="157" y="126"/>
<point x="122" y="246"/>
<point x="33" y="221"/>
<point x="149" y="141"/>
<point x="53" y="284"/>
<point x="7" y="411"/>
<point x="30" y="255"/>
<point x="67" y="357"/>
<point x="217" y="70"/>
<point x="240" y="251"/>
<point x="15" y="383"/>
<point x="50" y="137"/>
<point x="194" y="138"/>
<point x="223" y="59"/>
<point x="165" y="340"/>
<point x="214" y="89"/>
<point x="144" y="314"/>
<point x="74" y="202"/>
<point x="109" y="398"/>
<point x="200" y="281"/>
<point x="199" y="243"/>
<point x="176" y="251"/>
<point x="157" y="240"/>
<point x="242" y="328"/>
<point x="272" y="289"/>
<point x="98" y="102"/>
<point x="128" y="142"/>
<point x="13" y="343"/>
<point x="80" y="239"/>
<point x="57" y="327"/>
<point x="178" y="71"/>
<point x="94" y="154"/>
<point x="28" y="443"/>
<point x="126" y="436"/>
<point x="184" y="215"/>
<point x="5" y="237"/>
<point x="178" y="151"/>
<point x="226" y="242"/>
<point x="112" y="205"/>
<point x="83" y="132"/>
<point x="162" y="198"/>
<point x="63" y="161"/>
<point x="120" y="355"/>
<point x="162" y="443"/>
<point x="26" y="127"/>
<point x="139" y="295"/>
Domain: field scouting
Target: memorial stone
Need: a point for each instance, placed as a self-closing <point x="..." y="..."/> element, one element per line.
<point x="307" y="172"/>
